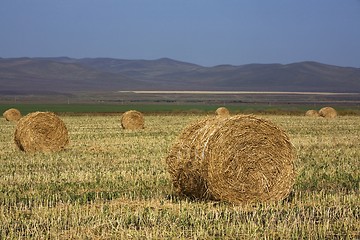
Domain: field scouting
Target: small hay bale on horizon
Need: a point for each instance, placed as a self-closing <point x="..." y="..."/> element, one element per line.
<point x="328" y="112"/>
<point x="12" y="114"/>
<point x="41" y="132"/>
<point x="240" y="159"/>
<point x="222" y="112"/>
<point x="132" y="120"/>
<point x="312" y="113"/>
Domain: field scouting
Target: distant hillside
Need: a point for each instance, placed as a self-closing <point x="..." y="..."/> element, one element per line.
<point x="67" y="75"/>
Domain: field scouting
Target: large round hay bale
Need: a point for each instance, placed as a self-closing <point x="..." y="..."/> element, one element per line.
<point x="328" y="112"/>
<point x="132" y="120"/>
<point x="239" y="159"/>
<point x="41" y="132"/>
<point x="186" y="165"/>
<point x="312" y="113"/>
<point x="222" y="112"/>
<point x="12" y="114"/>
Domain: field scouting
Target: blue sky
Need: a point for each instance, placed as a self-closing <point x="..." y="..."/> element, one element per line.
<point x="205" y="32"/>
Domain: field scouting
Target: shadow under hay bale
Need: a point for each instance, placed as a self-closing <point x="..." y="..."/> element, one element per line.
<point x="328" y="112"/>
<point x="12" y="114"/>
<point x="132" y="120"/>
<point x="222" y="112"/>
<point x="41" y="132"/>
<point x="239" y="159"/>
<point x="312" y="113"/>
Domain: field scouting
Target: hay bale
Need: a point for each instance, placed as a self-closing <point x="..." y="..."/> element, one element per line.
<point x="12" y="114"/>
<point x="328" y="112"/>
<point x="222" y="112"/>
<point x="239" y="159"/>
<point x="41" y="132"/>
<point x="185" y="163"/>
<point x="312" y="113"/>
<point x="132" y="120"/>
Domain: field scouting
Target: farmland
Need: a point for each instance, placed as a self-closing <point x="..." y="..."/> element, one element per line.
<point x="173" y="109"/>
<point x="113" y="183"/>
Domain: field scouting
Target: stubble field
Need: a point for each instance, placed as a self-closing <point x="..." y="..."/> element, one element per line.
<point x="112" y="183"/>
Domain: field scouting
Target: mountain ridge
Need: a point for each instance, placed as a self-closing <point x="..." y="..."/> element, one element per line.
<point x="69" y="75"/>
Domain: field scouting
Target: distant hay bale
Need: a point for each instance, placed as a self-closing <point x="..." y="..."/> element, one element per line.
<point x="312" y="113"/>
<point x="328" y="112"/>
<point x="12" y="114"/>
<point x="222" y="111"/>
<point x="132" y="120"/>
<point x="239" y="159"/>
<point x="41" y="132"/>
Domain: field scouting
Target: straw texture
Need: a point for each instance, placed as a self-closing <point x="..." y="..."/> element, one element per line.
<point x="312" y="113"/>
<point x="239" y="159"/>
<point x="41" y="132"/>
<point x="132" y="120"/>
<point x="222" y="112"/>
<point x="12" y="114"/>
<point x="328" y="112"/>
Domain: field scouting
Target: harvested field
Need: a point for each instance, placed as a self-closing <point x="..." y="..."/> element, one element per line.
<point x="113" y="183"/>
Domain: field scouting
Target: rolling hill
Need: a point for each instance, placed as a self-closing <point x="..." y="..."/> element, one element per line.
<point x="68" y="75"/>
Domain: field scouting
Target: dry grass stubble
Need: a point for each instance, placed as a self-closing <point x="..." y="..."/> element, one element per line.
<point x="123" y="191"/>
